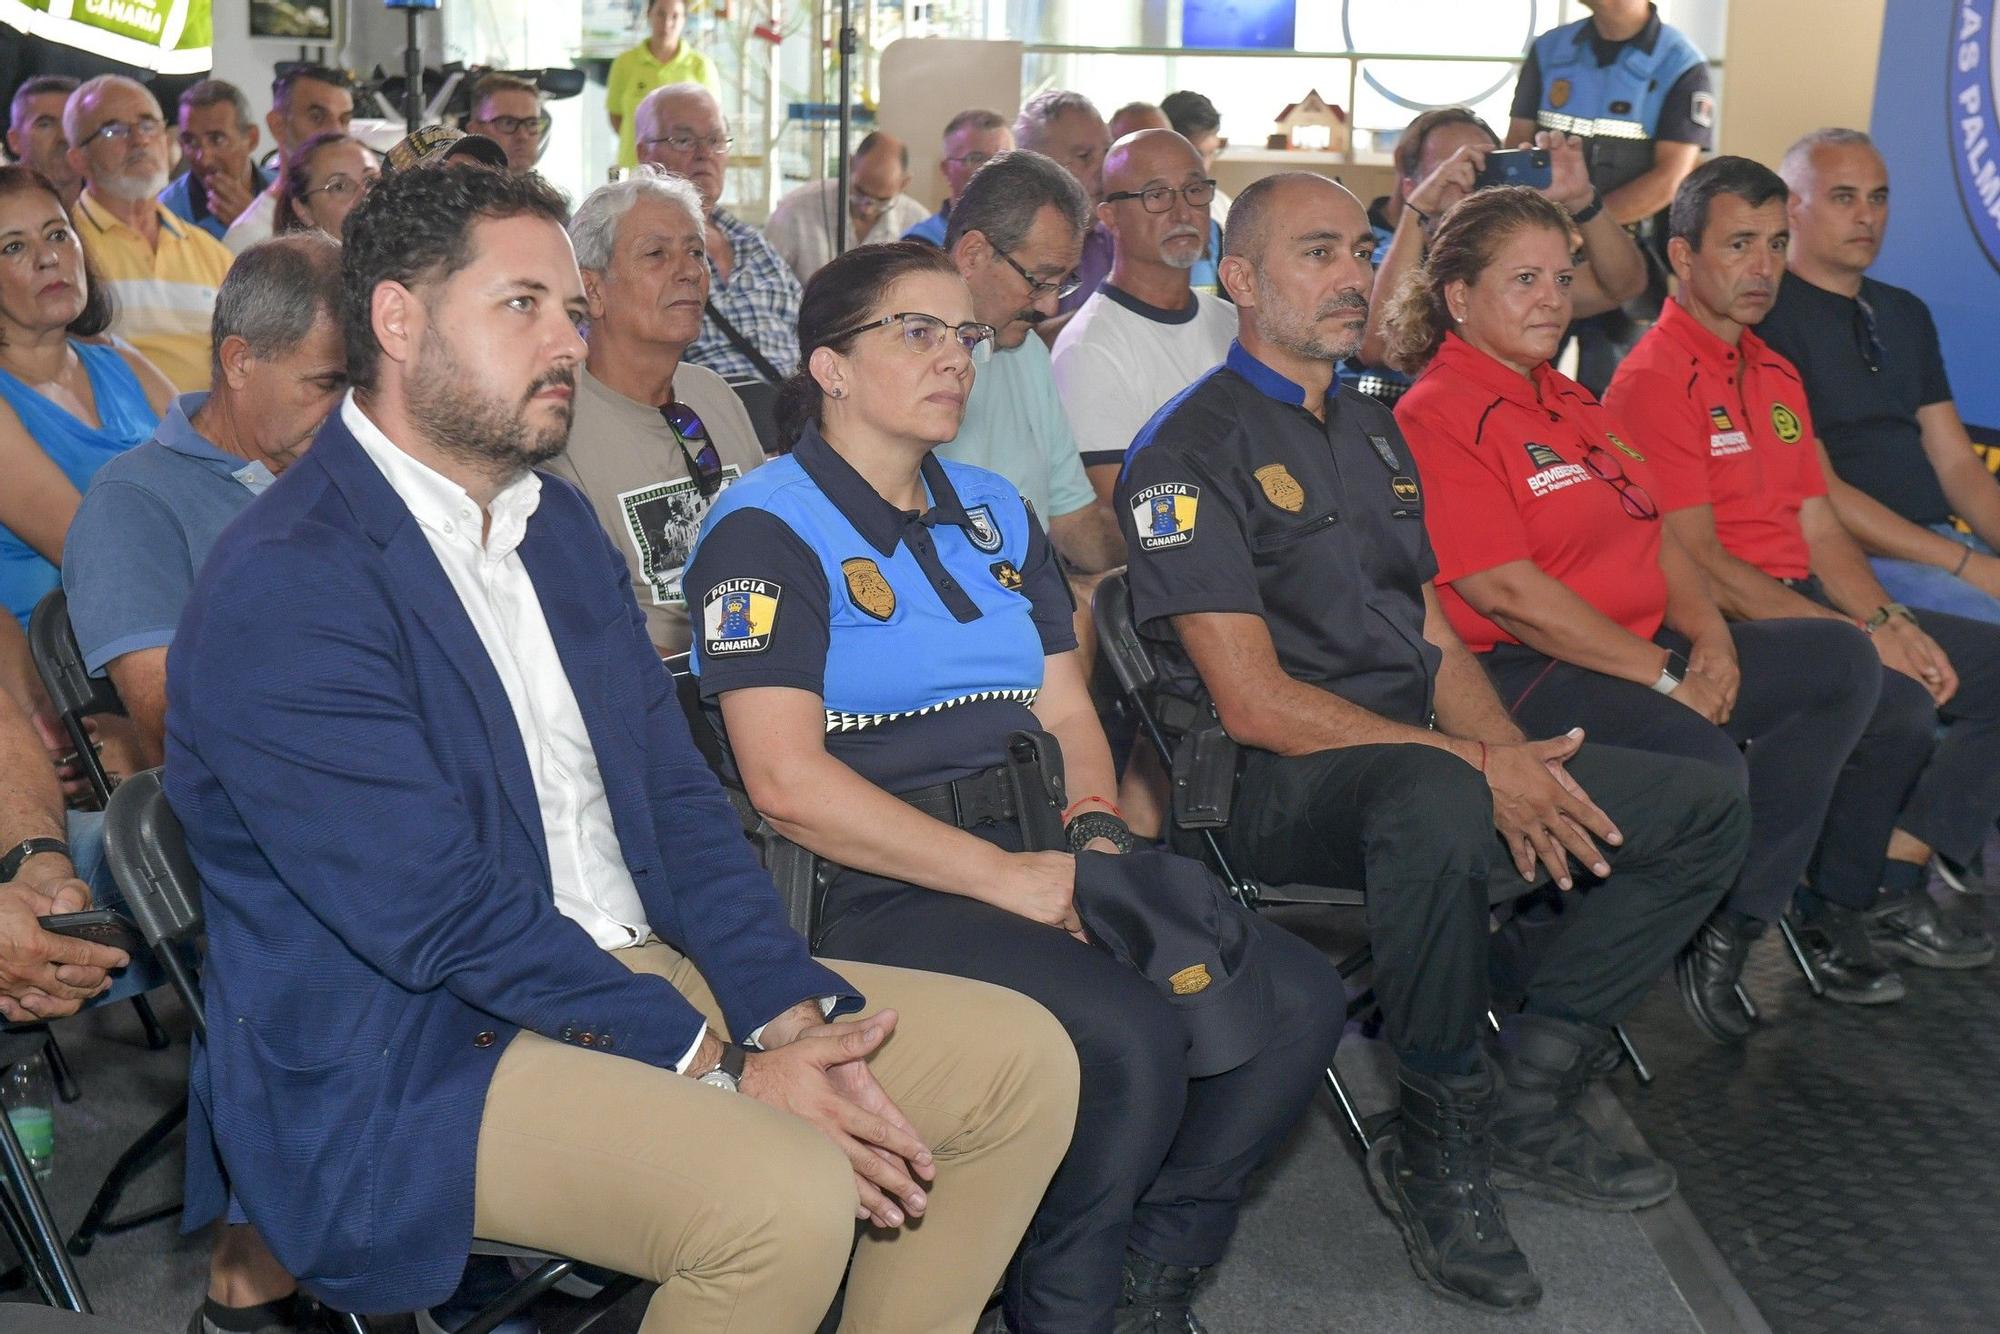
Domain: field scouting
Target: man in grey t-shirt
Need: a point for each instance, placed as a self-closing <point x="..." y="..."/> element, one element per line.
<point x="654" y="438"/>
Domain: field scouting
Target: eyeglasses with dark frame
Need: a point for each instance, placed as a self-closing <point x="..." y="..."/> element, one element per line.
<point x="924" y="334"/>
<point x="515" y="124"/>
<point x="1606" y="468"/>
<point x="704" y="465"/>
<point x="1160" y="198"/>
<point x="1040" y="287"/>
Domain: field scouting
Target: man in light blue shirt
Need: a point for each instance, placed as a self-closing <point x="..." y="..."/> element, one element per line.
<point x="218" y="141"/>
<point x="148" y="519"/>
<point x="1016" y="235"/>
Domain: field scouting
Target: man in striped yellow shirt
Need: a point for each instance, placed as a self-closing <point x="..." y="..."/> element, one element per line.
<point x="161" y="272"/>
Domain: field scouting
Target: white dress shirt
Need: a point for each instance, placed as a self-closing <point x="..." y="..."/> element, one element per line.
<point x="802" y="225"/>
<point x="593" y="887"/>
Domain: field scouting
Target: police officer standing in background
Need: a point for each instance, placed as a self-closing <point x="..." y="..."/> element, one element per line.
<point x="1638" y="93"/>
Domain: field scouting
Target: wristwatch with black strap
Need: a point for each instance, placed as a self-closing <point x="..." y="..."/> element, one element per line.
<point x="10" y="864"/>
<point x="728" y="1072"/>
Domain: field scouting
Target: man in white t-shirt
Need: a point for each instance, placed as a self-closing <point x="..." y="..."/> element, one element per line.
<point x="1146" y="334"/>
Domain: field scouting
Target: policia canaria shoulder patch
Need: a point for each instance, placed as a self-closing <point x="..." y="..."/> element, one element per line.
<point x="868" y="587"/>
<point x="1163" y="514"/>
<point x="738" y="616"/>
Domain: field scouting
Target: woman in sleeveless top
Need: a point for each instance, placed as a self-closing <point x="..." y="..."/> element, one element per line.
<point x="67" y="405"/>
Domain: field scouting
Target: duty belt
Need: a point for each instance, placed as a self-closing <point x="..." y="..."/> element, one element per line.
<point x="1026" y="793"/>
<point x="964" y="802"/>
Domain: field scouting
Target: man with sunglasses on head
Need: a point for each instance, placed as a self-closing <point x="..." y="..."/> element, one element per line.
<point x="802" y="225"/>
<point x="655" y="438"/>
<point x="753" y="296"/>
<point x="1015" y="238"/>
<point x="971" y="140"/>
<point x="1901" y="464"/>
<point x="1146" y="334"/>
<point x="508" y="110"/>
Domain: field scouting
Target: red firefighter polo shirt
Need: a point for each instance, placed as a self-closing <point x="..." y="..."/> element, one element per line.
<point x="1532" y="468"/>
<point x="1725" y="427"/>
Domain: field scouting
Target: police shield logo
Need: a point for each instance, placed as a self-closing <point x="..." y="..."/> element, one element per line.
<point x="1559" y="94"/>
<point x="1385" y="451"/>
<point x="868" y="588"/>
<point x="1542" y="456"/>
<point x="1008" y="576"/>
<point x="1163" y="515"/>
<point x="981" y="530"/>
<point x="1405" y="489"/>
<point x="1281" y="488"/>
<point x="738" y="616"/>
<point x="1786" y="423"/>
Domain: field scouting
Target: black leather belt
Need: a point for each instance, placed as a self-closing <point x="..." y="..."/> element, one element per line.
<point x="965" y="802"/>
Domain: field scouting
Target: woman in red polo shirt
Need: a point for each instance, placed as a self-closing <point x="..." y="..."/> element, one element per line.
<point x="1553" y="566"/>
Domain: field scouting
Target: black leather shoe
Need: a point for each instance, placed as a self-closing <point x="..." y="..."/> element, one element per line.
<point x="1432" y="1174"/>
<point x="1541" y="1145"/>
<point x="1844" y="958"/>
<point x="1156" y="1298"/>
<point x="1911" y="926"/>
<point x="1707" y="971"/>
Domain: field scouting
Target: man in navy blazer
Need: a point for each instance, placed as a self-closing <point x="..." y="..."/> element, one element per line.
<point x="488" y="953"/>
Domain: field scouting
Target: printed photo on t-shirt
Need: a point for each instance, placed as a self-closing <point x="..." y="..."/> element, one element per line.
<point x="662" y="521"/>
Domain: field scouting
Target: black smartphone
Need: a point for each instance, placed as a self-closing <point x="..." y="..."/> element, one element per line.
<point x="1515" y="166"/>
<point x="100" y="926"/>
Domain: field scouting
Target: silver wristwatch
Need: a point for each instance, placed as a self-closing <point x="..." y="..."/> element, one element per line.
<point x="728" y="1072"/>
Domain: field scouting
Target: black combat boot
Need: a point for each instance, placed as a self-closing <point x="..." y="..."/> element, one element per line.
<point x="1432" y="1174"/>
<point x="1156" y="1298"/>
<point x="1708" y="970"/>
<point x="1541" y="1144"/>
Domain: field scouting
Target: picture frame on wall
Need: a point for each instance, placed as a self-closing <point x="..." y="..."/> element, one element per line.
<point x="293" y="20"/>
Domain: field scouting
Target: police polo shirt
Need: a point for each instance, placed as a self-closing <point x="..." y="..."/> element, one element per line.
<point x="1868" y="365"/>
<point x="923" y="634"/>
<point x="1235" y="498"/>
<point x="1620" y="97"/>
<point x="142" y="531"/>
<point x="1516" y="469"/>
<point x="1724" y="426"/>
<point x="162" y="295"/>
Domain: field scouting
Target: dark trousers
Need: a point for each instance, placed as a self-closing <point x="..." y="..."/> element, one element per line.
<point x="1808" y="692"/>
<point x="1159" y="1161"/>
<point x="1903" y="775"/>
<point x="1413" y="825"/>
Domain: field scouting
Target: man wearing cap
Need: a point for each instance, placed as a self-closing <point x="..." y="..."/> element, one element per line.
<point x="435" y="145"/>
<point x="1279" y="562"/>
<point x="655" y="439"/>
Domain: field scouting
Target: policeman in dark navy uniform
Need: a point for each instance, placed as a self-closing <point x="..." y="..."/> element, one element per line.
<point x="1376" y="754"/>
<point x="1640" y="95"/>
<point x="914" y="653"/>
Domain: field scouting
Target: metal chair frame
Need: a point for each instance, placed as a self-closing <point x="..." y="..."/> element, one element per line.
<point x="148" y="856"/>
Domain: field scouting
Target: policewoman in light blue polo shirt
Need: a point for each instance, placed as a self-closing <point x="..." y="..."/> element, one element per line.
<point x="881" y="634"/>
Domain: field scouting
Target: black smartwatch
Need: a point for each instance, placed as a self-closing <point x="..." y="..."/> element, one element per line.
<point x="1098" y="824"/>
<point x="26" y="848"/>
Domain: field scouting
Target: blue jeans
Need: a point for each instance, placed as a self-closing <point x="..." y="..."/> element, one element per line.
<point x="1938" y="590"/>
<point x="86" y="853"/>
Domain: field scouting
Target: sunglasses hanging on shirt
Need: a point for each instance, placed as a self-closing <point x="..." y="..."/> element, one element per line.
<point x="704" y="464"/>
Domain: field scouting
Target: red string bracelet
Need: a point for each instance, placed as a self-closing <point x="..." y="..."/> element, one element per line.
<point x="1112" y="807"/>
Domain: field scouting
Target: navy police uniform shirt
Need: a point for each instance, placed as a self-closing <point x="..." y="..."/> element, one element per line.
<point x="1620" y="97"/>
<point x="923" y="634"/>
<point x="1235" y="498"/>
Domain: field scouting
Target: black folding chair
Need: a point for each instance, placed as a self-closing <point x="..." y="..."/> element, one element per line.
<point x="800" y="876"/>
<point x="75" y="693"/>
<point x="24" y="1211"/>
<point x="760" y="400"/>
<point x="143" y="843"/>
<point x="1138" y="678"/>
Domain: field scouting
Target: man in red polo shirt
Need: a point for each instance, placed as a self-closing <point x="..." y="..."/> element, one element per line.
<point x="1738" y="472"/>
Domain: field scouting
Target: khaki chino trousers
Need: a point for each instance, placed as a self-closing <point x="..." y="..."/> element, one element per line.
<point x="744" y="1214"/>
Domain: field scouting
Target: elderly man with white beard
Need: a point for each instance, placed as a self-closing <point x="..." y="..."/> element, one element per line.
<point x="1146" y="334"/>
<point x="162" y="271"/>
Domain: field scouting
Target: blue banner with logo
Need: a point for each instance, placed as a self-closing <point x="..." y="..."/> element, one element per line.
<point x="1937" y="121"/>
